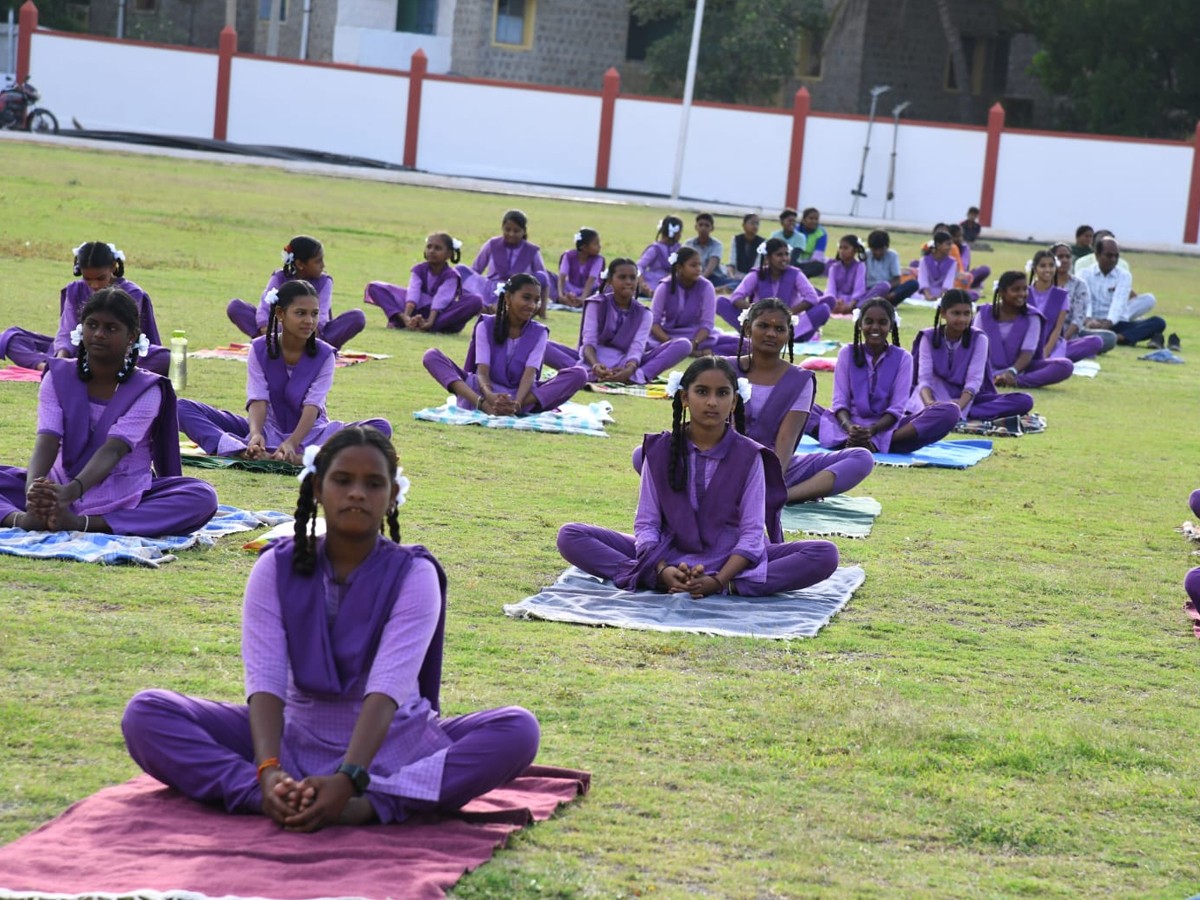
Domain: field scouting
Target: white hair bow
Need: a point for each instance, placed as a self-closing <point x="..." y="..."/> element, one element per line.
<point x="404" y="484"/>
<point x="143" y="345"/>
<point x="672" y="259"/>
<point x="673" y="382"/>
<point x="795" y="321"/>
<point x="673" y="230"/>
<point x="1029" y="265"/>
<point x="455" y="244"/>
<point x="272" y="297"/>
<point x="310" y="462"/>
<point x="117" y="254"/>
<point x="743" y="316"/>
<point x="578" y="236"/>
<point x="77" y="336"/>
<point x="287" y="256"/>
<point x="761" y="249"/>
<point x="75" y="252"/>
<point x="744" y="389"/>
<point x="856" y="314"/>
<point x="896" y="319"/>
<point x="995" y="284"/>
<point x="499" y="289"/>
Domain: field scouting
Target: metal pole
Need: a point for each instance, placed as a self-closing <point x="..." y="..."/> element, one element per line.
<point x="689" y="84"/>
<point x="12" y="41"/>
<point x="858" y="192"/>
<point x="304" y="29"/>
<point x="273" y="28"/>
<point x="121" y="19"/>
<point x="231" y="13"/>
<point x="891" y="188"/>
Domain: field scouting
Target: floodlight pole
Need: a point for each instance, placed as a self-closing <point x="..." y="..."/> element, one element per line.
<point x="891" y="188"/>
<point x="689" y="85"/>
<point x="858" y="192"/>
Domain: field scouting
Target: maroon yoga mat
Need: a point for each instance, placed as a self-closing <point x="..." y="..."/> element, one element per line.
<point x="143" y="836"/>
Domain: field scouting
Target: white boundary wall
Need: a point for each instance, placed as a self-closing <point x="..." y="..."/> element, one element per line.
<point x="1045" y="183"/>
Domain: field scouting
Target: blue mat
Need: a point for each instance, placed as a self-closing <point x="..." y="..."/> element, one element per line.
<point x="940" y="454"/>
<point x="114" y="549"/>
<point x="583" y="599"/>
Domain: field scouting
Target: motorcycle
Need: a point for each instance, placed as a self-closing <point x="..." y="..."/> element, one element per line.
<point x="18" y="113"/>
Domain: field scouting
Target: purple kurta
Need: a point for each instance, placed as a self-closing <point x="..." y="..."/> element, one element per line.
<point x="951" y="369"/>
<point x="879" y="387"/>
<point x="1051" y="304"/>
<point x="849" y="282"/>
<point x="684" y="311"/>
<point x="936" y="276"/>
<point x="654" y="262"/>
<point x="576" y="274"/>
<point x="1008" y="340"/>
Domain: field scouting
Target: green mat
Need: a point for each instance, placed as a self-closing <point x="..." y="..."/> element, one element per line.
<point x="266" y="466"/>
<point x="850" y="517"/>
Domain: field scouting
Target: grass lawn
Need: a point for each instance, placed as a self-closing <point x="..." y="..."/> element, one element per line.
<point x="1008" y="705"/>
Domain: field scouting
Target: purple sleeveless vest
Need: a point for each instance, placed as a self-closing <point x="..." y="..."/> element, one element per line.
<point x="786" y="290"/>
<point x="287" y="393"/>
<point x="330" y="660"/>
<point x="765" y="426"/>
<point x="1003" y="352"/>
<point x="1050" y="305"/>
<point x="870" y="396"/>
<point x="506" y="372"/>
<point x="677" y="311"/>
<point x="956" y="374"/>
<point x="522" y="263"/>
<point x="430" y="284"/>
<point x="80" y="443"/>
<point x="608" y="332"/>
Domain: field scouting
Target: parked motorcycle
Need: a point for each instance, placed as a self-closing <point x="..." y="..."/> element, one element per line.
<point x="17" y="110"/>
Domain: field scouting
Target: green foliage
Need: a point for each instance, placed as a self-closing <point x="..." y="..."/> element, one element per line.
<point x="1125" y="66"/>
<point x="62" y="15"/>
<point x="1007" y="707"/>
<point x="747" y="47"/>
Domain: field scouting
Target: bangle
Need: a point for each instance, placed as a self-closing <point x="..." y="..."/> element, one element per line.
<point x="719" y="582"/>
<point x="270" y="763"/>
<point x="86" y="522"/>
<point x="80" y="483"/>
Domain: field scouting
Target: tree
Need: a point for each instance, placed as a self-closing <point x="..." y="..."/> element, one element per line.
<point x="62" y="15"/>
<point x="1125" y="67"/>
<point x="958" y="57"/>
<point x="747" y="47"/>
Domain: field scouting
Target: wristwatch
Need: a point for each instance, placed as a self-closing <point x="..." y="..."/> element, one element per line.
<point x="357" y="774"/>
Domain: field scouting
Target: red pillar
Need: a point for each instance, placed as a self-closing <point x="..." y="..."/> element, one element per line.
<point x="226" y="47"/>
<point x="608" y="105"/>
<point x="801" y="104"/>
<point x="991" y="159"/>
<point x="27" y="23"/>
<point x="1191" y="225"/>
<point x="412" y="128"/>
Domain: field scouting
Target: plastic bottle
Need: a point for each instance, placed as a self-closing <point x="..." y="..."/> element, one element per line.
<point x="179" y="360"/>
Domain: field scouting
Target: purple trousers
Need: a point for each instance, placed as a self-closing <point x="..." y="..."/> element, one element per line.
<point x="1043" y="372"/>
<point x="391" y="299"/>
<point x="790" y="567"/>
<point x="172" y="505"/>
<point x="999" y="406"/>
<point x="655" y="360"/>
<point x="931" y="424"/>
<point x="849" y="467"/>
<point x="1191" y="584"/>
<point x="29" y="350"/>
<point x="204" y="749"/>
<point x="547" y="394"/>
<point x="207" y="425"/>
<point x="337" y="331"/>
<point x="1084" y="347"/>
<point x="1194" y="502"/>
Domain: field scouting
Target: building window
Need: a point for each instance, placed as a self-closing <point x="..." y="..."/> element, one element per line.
<point x="417" y="16"/>
<point x="513" y="26"/>
<point x="145" y="5"/>
<point x="976" y="52"/>
<point x="264" y="10"/>
<point x="810" y="56"/>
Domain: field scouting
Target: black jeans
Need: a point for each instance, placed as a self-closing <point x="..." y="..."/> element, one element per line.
<point x="1140" y="329"/>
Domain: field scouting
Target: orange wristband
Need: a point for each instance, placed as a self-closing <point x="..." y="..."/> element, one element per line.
<point x="273" y="762"/>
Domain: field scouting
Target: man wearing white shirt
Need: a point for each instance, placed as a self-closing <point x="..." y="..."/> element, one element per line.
<point x="1113" y="308"/>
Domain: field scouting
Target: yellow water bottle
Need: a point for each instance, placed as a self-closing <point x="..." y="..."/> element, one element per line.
<point x="178" y="360"/>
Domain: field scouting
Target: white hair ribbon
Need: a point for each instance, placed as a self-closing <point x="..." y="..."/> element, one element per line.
<point x="673" y="230"/>
<point x="672" y="259"/>
<point x="1029" y="265"/>
<point x="578" y="236"/>
<point x="455" y="244"/>
<point x="995" y="284"/>
<point x="856" y="314"/>
<point x="896" y="319"/>
<point x="77" y="336"/>
<point x="75" y="252"/>
<point x="673" y="382"/>
<point x="143" y="345"/>
<point x="795" y="321"/>
<point x="404" y="484"/>
<point x="743" y="316"/>
<point x="499" y="289"/>
<point x="310" y="462"/>
<point x="761" y="249"/>
<point x="744" y="389"/>
<point x="287" y="256"/>
<point x="117" y="254"/>
<point x="272" y="297"/>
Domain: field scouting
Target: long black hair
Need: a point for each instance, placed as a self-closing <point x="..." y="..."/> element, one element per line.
<point x="302" y="247"/>
<point x="455" y="252"/>
<point x="952" y="297"/>
<point x="117" y="303"/>
<point x="766" y="305"/>
<point x="304" y="560"/>
<point x="677" y="465"/>
<point x="613" y="265"/>
<point x="285" y="297"/>
<point x="682" y="255"/>
<point x="860" y="355"/>
<point x="514" y="283"/>
<point x="772" y="245"/>
<point x="1007" y="280"/>
<point x="98" y="255"/>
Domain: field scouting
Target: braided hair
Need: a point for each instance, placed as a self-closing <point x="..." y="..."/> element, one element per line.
<point x="304" y="560"/>
<point x="455" y="252"/>
<point x="1007" y="280"/>
<point x="98" y="255"/>
<point x="285" y="297"/>
<point x="514" y="283"/>
<point x="119" y="304"/>
<point x="860" y="355"/>
<point x="860" y="252"/>
<point x="952" y="297"/>
<point x="758" y="308"/>
<point x="682" y="255"/>
<point x="772" y="245"/>
<point x="303" y="248"/>
<point x="586" y="236"/>
<point x="677" y="474"/>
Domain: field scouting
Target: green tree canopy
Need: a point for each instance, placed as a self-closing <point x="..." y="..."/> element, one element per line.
<point x="62" y="15"/>
<point x="1125" y="66"/>
<point x="748" y="48"/>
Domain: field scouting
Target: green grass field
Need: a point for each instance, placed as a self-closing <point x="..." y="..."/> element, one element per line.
<point x="1008" y="706"/>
